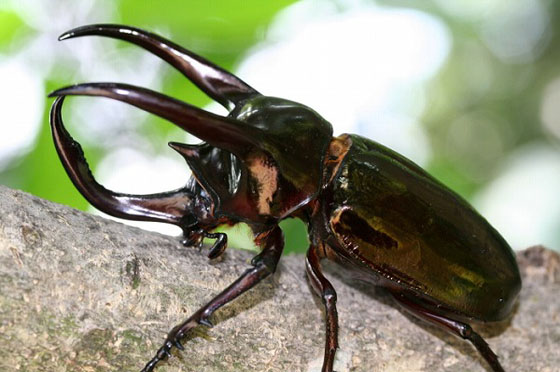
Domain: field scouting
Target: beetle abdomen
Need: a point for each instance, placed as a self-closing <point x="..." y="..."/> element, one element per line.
<point x="390" y="215"/>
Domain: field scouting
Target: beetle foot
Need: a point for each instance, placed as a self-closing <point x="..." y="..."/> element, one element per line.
<point x="194" y="238"/>
<point x="219" y="246"/>
<point x="164" y="351"/>
<point x="174" y="339"/>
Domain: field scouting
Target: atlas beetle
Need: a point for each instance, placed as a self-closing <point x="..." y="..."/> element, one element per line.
<point x="366" y="207"/>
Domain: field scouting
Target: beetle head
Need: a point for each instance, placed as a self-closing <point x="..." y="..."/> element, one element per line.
<point x="279" y="171"/>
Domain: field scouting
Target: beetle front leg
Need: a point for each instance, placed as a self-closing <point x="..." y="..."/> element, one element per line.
<point x="264" y="264"/>
<point x="325" y="290"/>
<point x="462" y="330"/>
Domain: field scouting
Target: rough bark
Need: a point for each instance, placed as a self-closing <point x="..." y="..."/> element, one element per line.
<point x="81" y="293"/>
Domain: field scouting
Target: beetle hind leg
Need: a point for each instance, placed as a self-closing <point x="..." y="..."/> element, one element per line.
<point x="462" y="330"/>
<point x="326" y="291"/>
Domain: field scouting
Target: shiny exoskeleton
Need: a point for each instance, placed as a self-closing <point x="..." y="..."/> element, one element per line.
<point x="366" y="207"/>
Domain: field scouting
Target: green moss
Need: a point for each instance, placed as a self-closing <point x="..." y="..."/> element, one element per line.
<point x="133" y="272"/>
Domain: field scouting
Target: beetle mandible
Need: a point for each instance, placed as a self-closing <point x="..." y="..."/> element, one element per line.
<point x="366" y="207"/>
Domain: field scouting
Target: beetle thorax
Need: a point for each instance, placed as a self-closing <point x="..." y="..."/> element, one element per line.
<point x="284" y="167"/>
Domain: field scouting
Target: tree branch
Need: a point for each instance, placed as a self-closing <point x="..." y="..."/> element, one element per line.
<point x="81" y="293"/>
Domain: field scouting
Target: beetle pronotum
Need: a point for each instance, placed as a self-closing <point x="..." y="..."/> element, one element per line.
<point x="366" y="207"/>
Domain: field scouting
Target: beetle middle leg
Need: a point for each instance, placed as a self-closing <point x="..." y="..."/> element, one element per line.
<point x="263" y="264"/>
<point x="462" y="330"/>
<point x="328" y="295"/>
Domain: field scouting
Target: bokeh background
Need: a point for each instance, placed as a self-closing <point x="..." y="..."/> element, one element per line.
<point x="469" y="89"/>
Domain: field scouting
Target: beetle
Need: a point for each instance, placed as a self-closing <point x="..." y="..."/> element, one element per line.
<point x="367" y="208"/>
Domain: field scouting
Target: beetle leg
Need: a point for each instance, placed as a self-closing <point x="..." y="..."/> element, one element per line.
<point x="219" y="245"/>
<point x="194" y="236"/>
<point x="217" y="83"/>
<point x="462" y="330"/>
<point x="325" y="290"/>
<point x="226" y="133"/>
<point x="263" y="264"/>
<point x="170" y="207"/>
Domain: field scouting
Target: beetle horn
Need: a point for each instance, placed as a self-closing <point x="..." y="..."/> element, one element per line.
<point x="217" y="83"/>
<point x="203" y="160"/>
<point x="228" y="134"/>
<point x="170" y="207"/>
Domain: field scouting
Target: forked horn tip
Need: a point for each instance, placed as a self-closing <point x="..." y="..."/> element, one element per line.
<point x="56" y="106"/>
<point x="66" y="35"/>
<point x="55" y="93"/>
<point x="75" y="32"/>
<point x="62" y="92"/>
<point x="87" y="30"/>
<point x="184" y="149"/>
<point x="85" y="89"/>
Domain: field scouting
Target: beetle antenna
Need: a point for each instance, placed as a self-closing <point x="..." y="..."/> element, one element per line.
<point x="228" y="134"/>
<point x="216" y="82"/>
<point x="170" y="207"/>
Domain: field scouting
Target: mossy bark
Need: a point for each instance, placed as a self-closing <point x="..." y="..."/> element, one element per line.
<point x="81" y="293"/>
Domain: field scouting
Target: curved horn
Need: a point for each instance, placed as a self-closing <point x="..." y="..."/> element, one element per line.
<point x="169" y="207"/>
<point x="217" y="83"/>
<point x="225" y="133"/>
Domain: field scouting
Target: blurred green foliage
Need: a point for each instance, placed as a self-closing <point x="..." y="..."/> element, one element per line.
<point x="11" y="24"/>
<point x="224" y="30"/>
